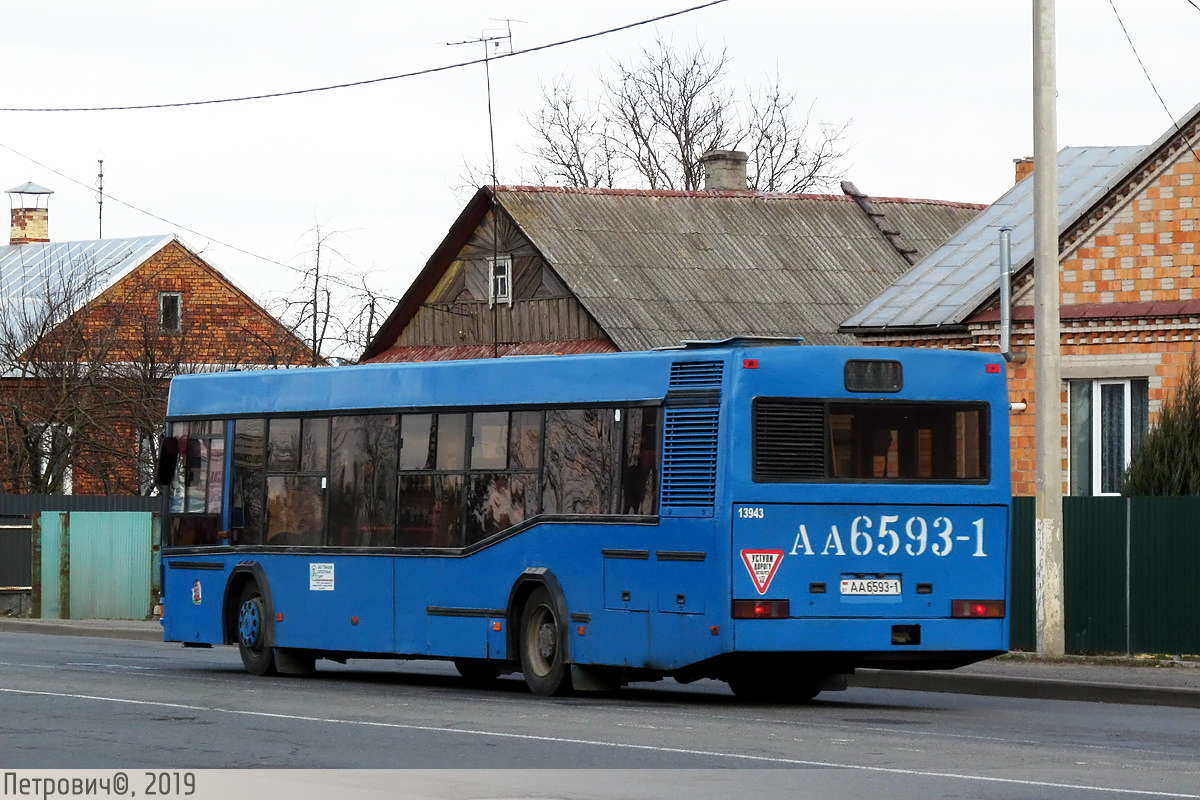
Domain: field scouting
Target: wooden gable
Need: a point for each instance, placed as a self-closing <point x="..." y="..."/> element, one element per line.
<point x="457" y="319"/>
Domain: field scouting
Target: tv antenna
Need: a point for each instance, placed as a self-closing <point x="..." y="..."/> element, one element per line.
<point x="100" y="193"/>
<point x="492" y="40"/>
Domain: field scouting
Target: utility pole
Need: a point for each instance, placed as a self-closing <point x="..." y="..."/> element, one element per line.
<point x="1048" y="533"/>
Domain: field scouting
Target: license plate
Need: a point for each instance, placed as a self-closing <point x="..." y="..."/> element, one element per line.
<point x="870" y="586"/>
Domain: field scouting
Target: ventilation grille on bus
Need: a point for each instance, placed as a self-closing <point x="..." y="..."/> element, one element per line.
<point x="789" y="440"/>
<point x="696" y="375"/>
<point x="690" y="426"/>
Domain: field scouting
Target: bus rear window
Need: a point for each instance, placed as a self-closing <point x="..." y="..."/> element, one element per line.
<point x="815" y="440"/>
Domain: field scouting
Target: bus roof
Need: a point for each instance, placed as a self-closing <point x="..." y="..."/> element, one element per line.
<point x="630" y="377"/>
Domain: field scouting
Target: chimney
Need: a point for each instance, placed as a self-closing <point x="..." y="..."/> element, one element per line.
<point x="724" y="170"/>
<point x="30" y="214"/>
<point x="1024" y="168"/>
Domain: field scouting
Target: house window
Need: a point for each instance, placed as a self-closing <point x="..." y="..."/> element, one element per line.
<point x="170" y="312"/>
<point x="500" y="284"/>
<point x="1108" y="421"/>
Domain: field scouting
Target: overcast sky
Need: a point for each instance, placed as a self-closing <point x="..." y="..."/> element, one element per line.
<point x="938" y="94"/>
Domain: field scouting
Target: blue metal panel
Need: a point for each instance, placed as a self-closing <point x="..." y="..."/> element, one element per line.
<point x="192" y="600"/>
<point x="958" y="552"/>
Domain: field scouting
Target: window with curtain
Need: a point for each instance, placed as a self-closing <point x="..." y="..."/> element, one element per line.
<point x="1107" y="421"/>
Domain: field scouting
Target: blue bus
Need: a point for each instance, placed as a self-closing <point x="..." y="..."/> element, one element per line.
<point x="762" y="512"/>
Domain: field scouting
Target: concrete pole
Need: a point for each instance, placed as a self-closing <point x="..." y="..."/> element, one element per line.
<point x="1048" y="547"/>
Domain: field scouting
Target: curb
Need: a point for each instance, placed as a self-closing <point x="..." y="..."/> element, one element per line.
<point x="146" y="631"/>
<point x="1027" y="688"/>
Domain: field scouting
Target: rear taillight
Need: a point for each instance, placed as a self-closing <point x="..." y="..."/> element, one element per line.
<point x="977" y="609"/>
<point x="760" y="609"/>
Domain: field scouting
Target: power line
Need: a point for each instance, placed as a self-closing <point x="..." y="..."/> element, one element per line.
<point x="214" y="240"/>
<point x="369" y="81"/>
<point x="1141" y="64"/>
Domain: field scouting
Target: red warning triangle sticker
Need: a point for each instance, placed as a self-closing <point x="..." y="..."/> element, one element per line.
<point x="762" y="565"/>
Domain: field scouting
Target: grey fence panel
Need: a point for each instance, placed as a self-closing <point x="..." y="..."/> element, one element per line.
<point x="1021" y="607"/>
<point x="1165" y="574"/>
<point x="1094" y="574"/>
<point x="16" y="553"/>
<point x="1131" y="574"/>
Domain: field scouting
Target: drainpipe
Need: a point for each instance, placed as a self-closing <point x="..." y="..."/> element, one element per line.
<point x="1006" y="298"/>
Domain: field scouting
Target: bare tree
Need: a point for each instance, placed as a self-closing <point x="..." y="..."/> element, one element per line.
<point x="334" y="308"/>
<point x="86" y="366"/>
<point x="659" y="114"/>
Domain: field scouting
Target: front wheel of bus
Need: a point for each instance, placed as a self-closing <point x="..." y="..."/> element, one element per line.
<point x="257" y="657"/>
<point x="542" y="658"/>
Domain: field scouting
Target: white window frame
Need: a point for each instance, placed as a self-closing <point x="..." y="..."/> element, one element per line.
<point x="1098" y="437"/>
<point x="500" y="280"/>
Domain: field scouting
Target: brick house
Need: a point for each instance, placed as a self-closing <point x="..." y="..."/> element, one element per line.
<point x="528" y="270"/>
<point x="91" y="333"/>
<point x="1129" y="309"/>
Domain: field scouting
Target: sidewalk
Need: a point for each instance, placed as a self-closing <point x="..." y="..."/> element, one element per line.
<point x="1139" y="681"/>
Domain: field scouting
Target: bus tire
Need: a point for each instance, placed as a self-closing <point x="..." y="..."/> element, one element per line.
<point x="543" y="662"/>
<point x="252" y="622"/>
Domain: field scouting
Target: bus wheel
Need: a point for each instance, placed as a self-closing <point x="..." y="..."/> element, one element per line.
<point x="257" y="658"/>
<point x="542" y="663"/>
<point x="476" y="671"/>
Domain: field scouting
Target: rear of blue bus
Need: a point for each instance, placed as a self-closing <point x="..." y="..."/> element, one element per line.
<point x="869" y="501"/>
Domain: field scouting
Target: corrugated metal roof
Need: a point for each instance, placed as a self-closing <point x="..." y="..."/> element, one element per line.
<point x="949" y="284"/>
<point x="657" y="268"/>
<point x="30" y="270"/>
<point x="35" y="276"/>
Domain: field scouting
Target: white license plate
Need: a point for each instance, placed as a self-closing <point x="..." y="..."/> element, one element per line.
<point x="870" y="586"/>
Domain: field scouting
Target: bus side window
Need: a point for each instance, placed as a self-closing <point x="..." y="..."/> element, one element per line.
<point x="639" y="476"/>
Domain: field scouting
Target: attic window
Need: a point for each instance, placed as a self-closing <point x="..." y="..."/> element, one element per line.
<point x="500" y="282"/>
<point x="170" y="312"/>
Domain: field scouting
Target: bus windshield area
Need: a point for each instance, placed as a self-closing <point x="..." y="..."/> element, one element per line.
<point x="810" y="440"/>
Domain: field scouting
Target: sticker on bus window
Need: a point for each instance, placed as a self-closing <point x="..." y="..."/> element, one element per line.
<point x="320" y="577"/>
<point x="762" y="565"/>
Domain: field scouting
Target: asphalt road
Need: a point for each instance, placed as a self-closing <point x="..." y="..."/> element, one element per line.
<point x="104" y="704"/>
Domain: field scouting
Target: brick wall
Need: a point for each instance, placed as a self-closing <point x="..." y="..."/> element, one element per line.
<point x="221" y="327"/>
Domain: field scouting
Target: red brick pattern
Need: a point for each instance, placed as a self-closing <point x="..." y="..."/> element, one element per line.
<point x="1142" y="251"/>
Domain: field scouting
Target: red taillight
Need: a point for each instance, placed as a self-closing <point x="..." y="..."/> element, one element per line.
<point x="750" y="363"/>
<point x="977" y="609"/>
<point x="760" y="609"/>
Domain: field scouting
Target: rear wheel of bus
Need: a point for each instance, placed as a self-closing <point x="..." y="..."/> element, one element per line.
<point x="543" y="662"/>
<point x="257" y="657"/>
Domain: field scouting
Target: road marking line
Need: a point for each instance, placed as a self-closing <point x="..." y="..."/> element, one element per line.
<point x="616" y="745"/>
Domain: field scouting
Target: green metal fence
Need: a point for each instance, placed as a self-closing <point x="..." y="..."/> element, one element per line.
<point x="1131" y="574"/>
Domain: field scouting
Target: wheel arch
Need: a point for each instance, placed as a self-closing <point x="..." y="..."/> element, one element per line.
<point x="522" y="588"/>
<point x="243" y="573"/>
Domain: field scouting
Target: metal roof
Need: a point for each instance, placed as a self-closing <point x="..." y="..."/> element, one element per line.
<point x="29" y="188"/>
<point x="949" y="284"/>
<point x="34" y="276"/>
<point x="658" y="268"/>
